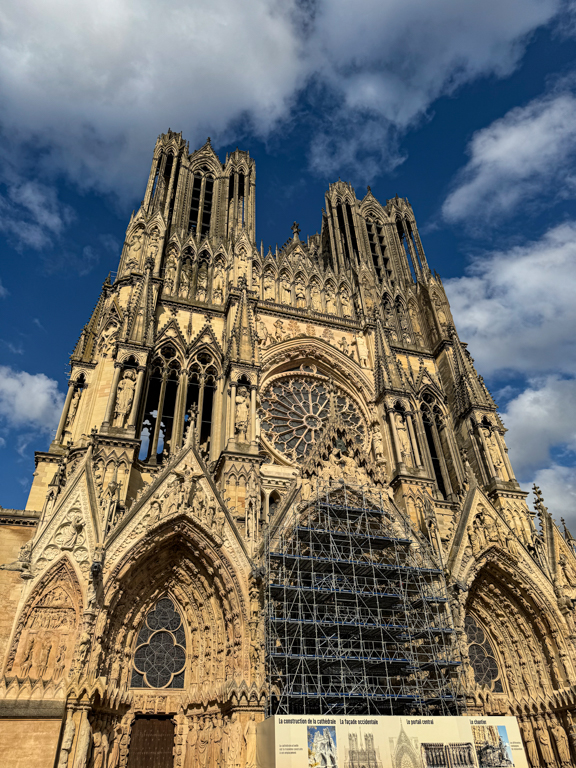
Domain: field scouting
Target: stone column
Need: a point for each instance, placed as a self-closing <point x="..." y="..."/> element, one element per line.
<point x="65" y="410"/>
<point x="417" y="458"/>
<point x="198" y="424"/>
<point x="232" y="430"/>
<point x="395" y="438"/>
<point x="253" y="415"/>
<point x="112" y="396"/>
<point x="487" y="456"/>
<point x="178" y="424"/>
<point x="137" y="395"/>
<point x="504" y="453"/>
<point x="154" y="445"/>
<point x="442" y="458"/>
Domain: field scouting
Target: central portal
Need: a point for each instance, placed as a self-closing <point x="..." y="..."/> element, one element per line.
<point x="152" y="743"/>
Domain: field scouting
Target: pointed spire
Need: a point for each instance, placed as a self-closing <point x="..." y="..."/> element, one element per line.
<point x="470" y="388"/>
<point x="243" y="338"/>
<point x="140" y="323"/>
<point x="85" y="345"/>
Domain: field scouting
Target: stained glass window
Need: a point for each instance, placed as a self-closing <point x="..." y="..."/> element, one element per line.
<point x="482" y="656"/>
<point x="160" y="655"/>
<point x="295" y="409"/>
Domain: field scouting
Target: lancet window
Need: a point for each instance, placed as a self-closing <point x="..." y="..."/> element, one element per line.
<point x="202" y="376"/>
<point x="404" y="237"/>
<point x="161" y="406"/>
<point x="347" y="232"/>
<point x="482" y="656"/>
<point x="437" y="440"/>
<point x="201" y="202"/>
<point x="160" y="654"/>
<point x="378" y="249"/>
<point x="237" y="197"/>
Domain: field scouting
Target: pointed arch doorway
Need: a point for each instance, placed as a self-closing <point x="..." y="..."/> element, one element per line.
<point x="151" y="743"/>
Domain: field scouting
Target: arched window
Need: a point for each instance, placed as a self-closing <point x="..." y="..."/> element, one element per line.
<point x="158" y="421"/>
<point x="430" y="417"/>
<point x="482" y="656"/>
<point x="160" y="655"/>
<point x="200" y="398"/>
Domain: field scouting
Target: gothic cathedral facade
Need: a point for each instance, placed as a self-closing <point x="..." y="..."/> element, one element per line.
<point x="213" y="391"/>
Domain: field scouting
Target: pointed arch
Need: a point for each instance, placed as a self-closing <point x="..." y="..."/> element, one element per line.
<point x="179" y="560"/>
<point x="43" y="643"/>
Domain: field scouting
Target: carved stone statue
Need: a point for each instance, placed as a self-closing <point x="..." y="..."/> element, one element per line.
<point x="84" y="744"/>
<point x="343" y="344"/>
<point x="403" y="439"/>
<point x="279" y="333"/>
<point x="134" y="251"/>
<point x="268" y="286"/>
<point x="191" y="741"/>
<point x="124" y="398"/>
<point x="67" y="741"/>
<point x="561" y="741"/>
<point x="73" y="407"/>
<point x="377" y="443"/>
<point x="184" y="287"/>
<point x="286" y="292"/>
<point x="28" y="660"/>
<point x="544" y="742"/>
<point x="76" y="528"/>
<point x="170" y="273"/>
<point x="203" y="744"/>
<point x="345" y="303"/>
<point x="60" y="662"/>
<point x="216" y="750"/>
<point x="250" y="742"/>
<point x="97" y="750"/>
<point x="242" y="414"/>
<point x="529" y="743"/>
<point x="202" y="283"/>
<point x="315" y="298"/>
<point x="235" y="743"/>
<point x="262" y="333"/>
<point x="330" y="299"/>
<point x="300" y="292"/>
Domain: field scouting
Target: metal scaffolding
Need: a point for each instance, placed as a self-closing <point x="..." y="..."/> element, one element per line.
<point x="357" y="616"/>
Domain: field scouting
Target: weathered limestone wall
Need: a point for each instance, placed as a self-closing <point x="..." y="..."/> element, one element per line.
<point x="25" y="743"/>
<point x="12" y="537"/>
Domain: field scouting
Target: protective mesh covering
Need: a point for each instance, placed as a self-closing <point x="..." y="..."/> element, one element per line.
<point x="357" y="614"/>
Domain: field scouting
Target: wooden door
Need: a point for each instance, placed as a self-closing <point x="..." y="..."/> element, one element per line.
<point x="151" y="743"/>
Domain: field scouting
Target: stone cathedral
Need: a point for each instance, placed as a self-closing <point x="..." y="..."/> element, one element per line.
<point x="217" y="394"/>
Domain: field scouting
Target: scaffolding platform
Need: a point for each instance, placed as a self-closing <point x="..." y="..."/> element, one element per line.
<point x="357" y="618"/>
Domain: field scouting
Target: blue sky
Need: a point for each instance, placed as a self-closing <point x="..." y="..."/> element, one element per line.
<point x="466" y="108"/>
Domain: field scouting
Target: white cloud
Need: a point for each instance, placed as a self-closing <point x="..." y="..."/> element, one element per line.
<point x="31" y="213"/>
<point x="89" y="86"/>
<point x="516" y="308"/>
<point x="558" y="484"/>
<point x="29" y="400"/>
<point x="517" y="159"/>
<point x="539" y="419"/>
<point x="3" y="291"/>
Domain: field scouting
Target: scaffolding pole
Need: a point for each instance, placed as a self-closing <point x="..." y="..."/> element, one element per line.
<point x="357" y="620"/>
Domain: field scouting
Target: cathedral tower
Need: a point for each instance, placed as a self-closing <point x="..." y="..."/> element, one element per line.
<point x="215" y="393"/>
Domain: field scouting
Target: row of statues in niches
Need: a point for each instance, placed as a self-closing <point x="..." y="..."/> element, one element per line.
<point x="205" y="279"/>
<point x="206" y="282"/>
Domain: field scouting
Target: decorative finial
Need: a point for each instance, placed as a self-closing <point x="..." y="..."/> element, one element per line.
<point x="296" y="230"/>
<point x="208" y="140"/>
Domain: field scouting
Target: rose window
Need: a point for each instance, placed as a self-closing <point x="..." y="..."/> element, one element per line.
<point x="160" y="655"/>
<point x="482" y="657"/>
<point x="295" y="410"/>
